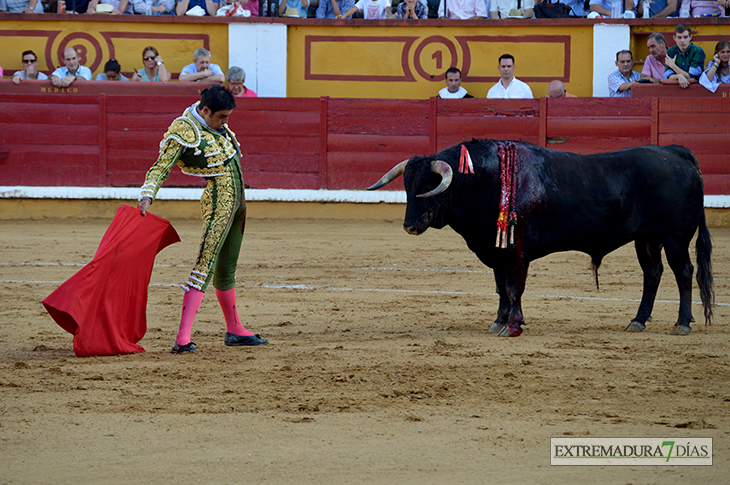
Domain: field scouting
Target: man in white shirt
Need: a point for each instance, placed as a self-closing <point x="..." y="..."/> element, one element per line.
<point x="463" y="9"/>
<point x="509" y="87"/>
<point x="453" y="89"/>
<point x="72" y="71"/>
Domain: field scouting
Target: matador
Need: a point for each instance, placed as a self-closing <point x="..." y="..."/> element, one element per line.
<point x="202" y="145"/>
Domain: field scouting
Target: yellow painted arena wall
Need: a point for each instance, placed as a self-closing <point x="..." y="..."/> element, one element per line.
<point x="410" y="62"/>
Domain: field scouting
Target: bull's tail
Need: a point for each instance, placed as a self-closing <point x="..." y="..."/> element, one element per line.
<point x="704" y="269"/>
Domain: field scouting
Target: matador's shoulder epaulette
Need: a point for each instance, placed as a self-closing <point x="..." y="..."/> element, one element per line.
<point x="184" y="131"/>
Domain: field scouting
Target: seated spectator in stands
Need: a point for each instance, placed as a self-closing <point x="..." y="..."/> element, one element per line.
<point x="577" y="7"/>
<point x="201" y="69"/>
<point x="72" y="6"/>
<point x="684" y="60"/>
<point x="111" y="72"/>
<point x="509" y="87"/>
<point x="698" y="8"/>
<point x="21" y="6"/>
<point x="210" y="7"/>
<point x="119" y="7"/>
<point x="72" y="71"/>
<point x="30" y="69"/>
<point x="659" y="9"/>
<point x="154" y="7"/>
<point x="621" y="80"/>
<point x="505" y="9"/>
<point x="371" y="10"/>
<point x="453" y="89"/>
<point x="330" y="9"/>
<point x="654" y="64"/>
<point x="556" y="89"/>
<point x="411" y="9"/>
<point x="718" y="69"/>
<point x="250" y="5"/>
<point x="464" y="9"/>
<point x="154" y="67"/>
<point x="236" y="77"/>
<point x="301" y="6"/>
<point x="602" y="8"/>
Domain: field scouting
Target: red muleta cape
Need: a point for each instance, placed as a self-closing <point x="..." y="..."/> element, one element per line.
<point x="104" y="305"/>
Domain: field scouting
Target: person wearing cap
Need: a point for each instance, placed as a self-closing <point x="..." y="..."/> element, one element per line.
<point x="119" y="7"/>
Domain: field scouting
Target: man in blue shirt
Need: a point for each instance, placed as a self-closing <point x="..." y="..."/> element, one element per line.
<point x="621" y="80"/>
<point x="330" y="9"/>
<point x="64" y="76"/>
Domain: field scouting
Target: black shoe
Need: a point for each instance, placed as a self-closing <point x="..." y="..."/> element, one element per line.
<point x="233" y="339"/>
<point x="181" y="349"/>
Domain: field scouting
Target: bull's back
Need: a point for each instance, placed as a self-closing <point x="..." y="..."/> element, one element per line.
<point x="600" y="202"/>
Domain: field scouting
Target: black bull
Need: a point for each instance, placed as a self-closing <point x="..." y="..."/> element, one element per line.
<point x="563" y="201"/>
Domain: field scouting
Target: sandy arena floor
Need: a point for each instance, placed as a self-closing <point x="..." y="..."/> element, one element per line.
<point x="379" y="368"/>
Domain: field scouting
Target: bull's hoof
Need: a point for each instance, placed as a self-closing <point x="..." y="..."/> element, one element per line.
<point x="635" y="326"/>
<point x="511" y="331"/>
<point x="497" y="328"/>
<point x="680" y="330"/>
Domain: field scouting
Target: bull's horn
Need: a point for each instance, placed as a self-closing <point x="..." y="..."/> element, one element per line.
<point x="393" y="174"/>
<point x="444" y="169"/>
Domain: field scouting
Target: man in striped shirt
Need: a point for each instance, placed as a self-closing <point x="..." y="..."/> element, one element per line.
<point x="621" y="80"/>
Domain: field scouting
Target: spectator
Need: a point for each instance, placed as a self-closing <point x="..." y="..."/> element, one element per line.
<point x="119" y="7"/>
<point x="154" y="7"/>
<point x="72" y="6"/>
<point x="301" y="6"/>
<point x="411" y="9"/>
<point x="21" y="6"/>
<point x="621" y="80"/>
<point x="371" y="9"/>
<point x="30" y="68"/>
<point x="251" y="5"/>
<point x="236" y="77"/>
<point x="72" y="71"/>
<point x="508" y="9"/>
<point x="685" y="60"/>
<point x="201" y="69"/>
<point x="453" y="89"/>
<point x="603" y="8"/>
<point x="210" y="7"/>
<point x="698" y="8"/>
<point x="659" y="8"/>
<point x="111" y="72"/>
<point x="509" y="87"/>
<point x="556" y="89"/>
<point x="330" y="9"/>
<point x="577" y="7"/>
<point x="718" y="70"/>
<point x="154" y="67"/>
<point x="654" y="64"/>
<point x="463" y="9"/>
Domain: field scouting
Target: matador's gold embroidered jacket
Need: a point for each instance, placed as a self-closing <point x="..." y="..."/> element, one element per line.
<point x="195" y="148"/>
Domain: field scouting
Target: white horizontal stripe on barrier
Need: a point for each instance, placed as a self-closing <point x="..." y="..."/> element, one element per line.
<point x="172" y="193"/>
<point x="259" y="195"/>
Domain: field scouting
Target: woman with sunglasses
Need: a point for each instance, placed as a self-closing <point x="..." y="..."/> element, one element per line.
<point x="30" y="68"/>
<point x="154" y="67"/>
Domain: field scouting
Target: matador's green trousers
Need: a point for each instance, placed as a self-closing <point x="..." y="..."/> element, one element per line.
<point x="223" y="207"/>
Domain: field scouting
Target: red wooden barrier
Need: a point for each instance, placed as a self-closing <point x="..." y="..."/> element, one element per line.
<point x="308" y="143"/>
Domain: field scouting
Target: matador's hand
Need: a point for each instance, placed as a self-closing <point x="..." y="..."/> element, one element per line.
<point x="144" y="204"/>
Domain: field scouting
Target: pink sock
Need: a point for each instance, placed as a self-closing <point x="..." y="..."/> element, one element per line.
<point x="191" y="304"/>
<point x="227" y="299"/>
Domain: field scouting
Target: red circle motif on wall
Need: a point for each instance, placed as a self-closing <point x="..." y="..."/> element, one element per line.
<point x="441" y="64"/>
<point x="90" y="53"/>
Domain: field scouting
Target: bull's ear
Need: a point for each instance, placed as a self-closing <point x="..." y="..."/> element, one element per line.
<point x="393" y="174"/>
<point x="444" y="169"/>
